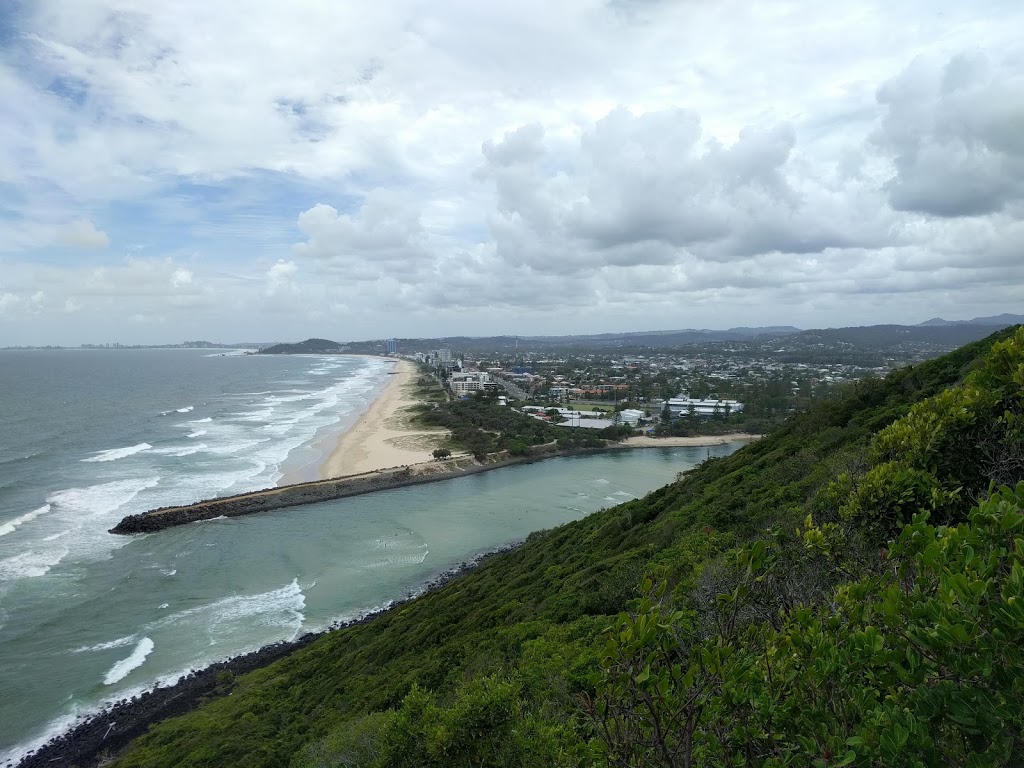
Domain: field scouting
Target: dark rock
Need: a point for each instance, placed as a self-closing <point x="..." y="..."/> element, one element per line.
<point x="107" y="733"/>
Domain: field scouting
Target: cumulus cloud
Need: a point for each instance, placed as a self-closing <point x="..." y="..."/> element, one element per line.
<point x="654" y="190"/>
<point x="410" y="169"/>
<point x="180" y="278"/>
<point x="82" y="233"/>
<point x="8" y="301"/>
<point x="956" y="130"/>
<point x="385" y="233"/>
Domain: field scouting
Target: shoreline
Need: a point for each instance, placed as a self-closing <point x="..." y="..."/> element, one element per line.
<point x="700" y="441"/>
<point x="379" y="439"/>
<point x="325" y="442"/>
<point x="109" y="731"/>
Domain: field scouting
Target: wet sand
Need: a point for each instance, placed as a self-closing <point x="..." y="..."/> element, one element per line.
<point x="382" y="437"/>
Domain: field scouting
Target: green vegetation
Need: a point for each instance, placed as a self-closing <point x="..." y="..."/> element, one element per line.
<point x="846" y="591"/>
<point x="427" y="389"/>
<point x="307" y="347"/>
<point x="480" y="426"/>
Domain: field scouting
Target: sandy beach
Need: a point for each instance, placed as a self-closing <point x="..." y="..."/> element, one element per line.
<point x="382" y="437"/>
<point x="682" y="442"/>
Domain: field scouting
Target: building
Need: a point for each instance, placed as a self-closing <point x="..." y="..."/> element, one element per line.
<point x="559" y="394"/>
<point x="587" y="423"/>
<point x="392" y="346"/>
<point x="630" y="416"/>
<point x="684" y="405"/>
<point x="442" y="358"/>
<point x="473" y="381"/>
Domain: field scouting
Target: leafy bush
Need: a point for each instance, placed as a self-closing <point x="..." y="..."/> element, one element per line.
<point x="919" y="666"/>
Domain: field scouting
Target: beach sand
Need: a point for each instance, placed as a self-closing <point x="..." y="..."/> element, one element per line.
<point x="382" y="437"/>
<point x="681" y="442"/>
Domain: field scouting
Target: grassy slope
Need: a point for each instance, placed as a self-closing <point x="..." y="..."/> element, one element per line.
<point x="561" y="587"/>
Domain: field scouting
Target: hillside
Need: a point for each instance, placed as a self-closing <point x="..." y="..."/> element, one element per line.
<point x="787" y="605"/>
<point x="307" y="347"/>
<point x="998" y="321"/>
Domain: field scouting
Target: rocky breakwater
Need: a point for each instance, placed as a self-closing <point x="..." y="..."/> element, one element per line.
<point x="324" y="490"/>
<point x="271" y="498"/>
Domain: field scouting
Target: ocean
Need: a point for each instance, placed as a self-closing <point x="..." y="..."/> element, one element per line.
<point x="89" y="436"/>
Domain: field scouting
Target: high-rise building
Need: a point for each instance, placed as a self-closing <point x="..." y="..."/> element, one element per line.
<point x="392" y="346"/>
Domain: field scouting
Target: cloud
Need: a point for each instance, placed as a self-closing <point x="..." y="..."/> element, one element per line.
<point x="8" y="301"/>
<point x="654" y="190"/>
<point x="956" y="130"/>
<point x="282" y="272"/>
<point x="180" y="278"/>
<point x="385" y="233"/>
<point x="82" y="233"/>
<point x="428" y="168"/>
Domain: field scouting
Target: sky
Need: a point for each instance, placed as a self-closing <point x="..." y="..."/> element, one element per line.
<point x="267" y="171"/>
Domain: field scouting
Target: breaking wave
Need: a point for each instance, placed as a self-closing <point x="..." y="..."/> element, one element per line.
<point x="124" y="667"/>
<point x="11" y="525"/>
<point x="119" y="453"/>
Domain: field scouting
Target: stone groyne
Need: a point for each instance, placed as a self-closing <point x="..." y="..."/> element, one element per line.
<point x="324" y="490"/>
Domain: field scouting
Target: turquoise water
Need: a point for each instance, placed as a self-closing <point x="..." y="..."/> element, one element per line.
<point x="87" y="617"/>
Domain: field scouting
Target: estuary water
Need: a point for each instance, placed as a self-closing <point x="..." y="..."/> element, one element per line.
<point x="87" y="437"/>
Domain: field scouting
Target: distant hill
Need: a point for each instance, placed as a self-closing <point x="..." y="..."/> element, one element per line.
<point x="630" y="340"/>
<point x="664" y="338"/>
<point x="939" y="337"/>
<point x="307" y="347"/>
<point x="998" y="321"/>
<point x="885" y="336"/>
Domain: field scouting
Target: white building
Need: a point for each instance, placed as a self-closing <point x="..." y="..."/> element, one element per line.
<point x="474" y="381"/>
<point x="684" y="405"/>
<point x="559" y="394"/>
<point x="587" y="423"/>
<point x="630" y="416"/>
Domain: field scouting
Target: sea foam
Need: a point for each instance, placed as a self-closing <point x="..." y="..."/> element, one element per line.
<point x="227" y="617"/>
<point x="180" y="450"/>
<point x="119" y="643"/>
<point x="121" y="670"/>
<point x="99" y="499"/>
<point x="31" y="564"/>
<point x="119" y="453"/>
<point x="11" y="525"/>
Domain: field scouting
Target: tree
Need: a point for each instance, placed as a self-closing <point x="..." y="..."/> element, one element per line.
<point x="553" y="415"/>
<point x="441" y="453"/>
<point x="918" y="665"/>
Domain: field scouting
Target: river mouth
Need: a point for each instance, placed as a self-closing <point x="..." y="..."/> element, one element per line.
<point x="208" y="591"/>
